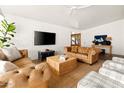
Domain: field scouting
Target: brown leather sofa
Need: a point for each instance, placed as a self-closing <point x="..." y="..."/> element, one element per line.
<point x="35" y="76"/>
<point x="85" y="54"/>
<point x="28" y="75"/>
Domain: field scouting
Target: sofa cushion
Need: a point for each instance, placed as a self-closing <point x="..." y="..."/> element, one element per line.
<point x="118" y="59"/>
<point x="95" y="80"/>
<point x="80" y="50"/>
<point x="74" y="49"/>
<point x="82" y="56"/>
<point x="23" y="62"/>
<point x="6" y="66"/>
<point x="70" y="54"/>
<point x="83" y="50"/>
<point x="11" y="53"/>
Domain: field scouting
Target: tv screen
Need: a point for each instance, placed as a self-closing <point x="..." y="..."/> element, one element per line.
<point x="100" y="38"/>
<point x="44" y="38"/>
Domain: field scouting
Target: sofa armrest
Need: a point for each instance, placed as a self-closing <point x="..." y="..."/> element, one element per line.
<point x="67" y="49"/>
<point x="45" y="71"/>
<point x="98" y="50"/>
<point x="24" y="53"/>
<point x="93" y="55"/>
<point x="92" y="52"/>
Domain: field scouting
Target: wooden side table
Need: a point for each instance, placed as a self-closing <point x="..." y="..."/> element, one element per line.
<point x="104" y="46"/>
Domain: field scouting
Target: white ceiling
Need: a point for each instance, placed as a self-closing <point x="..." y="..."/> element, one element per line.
<point x="79" y="17"/>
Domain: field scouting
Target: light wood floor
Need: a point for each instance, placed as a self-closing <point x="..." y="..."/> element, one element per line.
<point x="71" y="79"/>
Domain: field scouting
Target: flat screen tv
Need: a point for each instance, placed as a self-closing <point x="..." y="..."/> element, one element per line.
<point x="44" y="38"/>
<point x="100" y="38"/>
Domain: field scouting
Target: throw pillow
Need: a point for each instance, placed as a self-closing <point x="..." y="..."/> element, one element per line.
<point x="6" y="66"/>
<point x="11" y="53"/>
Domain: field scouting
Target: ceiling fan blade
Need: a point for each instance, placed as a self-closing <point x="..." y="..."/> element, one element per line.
<point x="73" y="8"/>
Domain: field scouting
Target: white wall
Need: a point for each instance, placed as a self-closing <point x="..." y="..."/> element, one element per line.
<point x="24" y="37"/>
<point x="25" y="28"/>
<point x="114" y="29"/>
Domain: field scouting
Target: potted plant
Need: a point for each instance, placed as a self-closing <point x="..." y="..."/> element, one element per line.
<point x="7" y="31"/>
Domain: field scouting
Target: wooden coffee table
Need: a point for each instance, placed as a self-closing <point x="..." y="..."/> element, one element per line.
<point x="62" y="67"/>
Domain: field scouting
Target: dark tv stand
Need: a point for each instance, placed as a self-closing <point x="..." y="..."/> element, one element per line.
<point x="42" y="55"/>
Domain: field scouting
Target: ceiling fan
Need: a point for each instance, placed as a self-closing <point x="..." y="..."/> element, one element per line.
<point x="77" y="7"/>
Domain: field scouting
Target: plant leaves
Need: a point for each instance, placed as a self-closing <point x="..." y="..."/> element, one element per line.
<point x="4" y="22"/>
<point x="4" y="40"/>
<point x="1" y="44"/>
<point x="7" y="45"/>
<point x="7" y="38"/>
<point x="4" y="26"/>
<point x="6" y="33"/>
<point x="12" y="35"/>
<point x="11" y="27"/>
